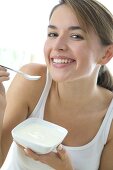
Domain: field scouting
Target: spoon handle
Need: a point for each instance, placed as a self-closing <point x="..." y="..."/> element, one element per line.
<point x="27" y="76"/>
<point x="10" y="68"/>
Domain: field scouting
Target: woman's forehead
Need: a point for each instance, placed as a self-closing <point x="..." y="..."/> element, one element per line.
<point x="64" y="15"/>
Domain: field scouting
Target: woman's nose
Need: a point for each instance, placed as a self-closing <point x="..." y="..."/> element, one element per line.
<point x="60" y="43"/>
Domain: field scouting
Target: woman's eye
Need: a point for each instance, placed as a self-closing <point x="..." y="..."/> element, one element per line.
<point x="51" y="34"/>
<point x="77" y="37"/>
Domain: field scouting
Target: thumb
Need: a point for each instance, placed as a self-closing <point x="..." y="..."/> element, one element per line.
<point x="61" y="152"/>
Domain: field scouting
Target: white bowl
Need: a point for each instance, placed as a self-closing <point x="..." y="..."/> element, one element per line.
<point x="39" y="135"/>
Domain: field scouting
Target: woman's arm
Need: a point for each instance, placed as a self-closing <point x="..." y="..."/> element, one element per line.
<point x="106" y="162"/>
<point x="22" y="97"/>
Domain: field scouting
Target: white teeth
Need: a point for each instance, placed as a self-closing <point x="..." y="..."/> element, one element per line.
<point x="61" y="61"/>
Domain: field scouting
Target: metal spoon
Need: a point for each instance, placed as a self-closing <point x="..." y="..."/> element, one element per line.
<point x="25" y="75"/>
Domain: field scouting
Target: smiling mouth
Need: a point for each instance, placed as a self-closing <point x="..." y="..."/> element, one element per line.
<point x="62" y="61"/>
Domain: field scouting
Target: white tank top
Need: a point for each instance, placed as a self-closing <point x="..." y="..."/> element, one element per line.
<point x="86" y="157"/>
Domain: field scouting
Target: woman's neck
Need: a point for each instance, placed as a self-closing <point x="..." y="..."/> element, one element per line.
<point x="78" y="91"/>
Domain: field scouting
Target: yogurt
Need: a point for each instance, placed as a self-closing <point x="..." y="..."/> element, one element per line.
<point x="37" y="133"/>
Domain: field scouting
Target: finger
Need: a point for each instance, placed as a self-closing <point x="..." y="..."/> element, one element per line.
<point x="4" y="75"/>
<point x="3" y="68"/>
<point x="44" y="158"/>
<point x="61" y="152"/>
<point x="27" y="151"/>
<point x="31" y="154"/>
<point x="20" y="146"/>
<point x="2" y="79"/>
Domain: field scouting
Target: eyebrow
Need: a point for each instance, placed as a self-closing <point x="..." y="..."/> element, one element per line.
<point x="70" y="28"/>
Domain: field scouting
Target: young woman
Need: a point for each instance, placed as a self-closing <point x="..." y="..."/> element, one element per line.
<point x="75" y="91"/>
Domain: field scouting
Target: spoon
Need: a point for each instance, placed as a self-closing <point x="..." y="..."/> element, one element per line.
<point x="25" y="75"/>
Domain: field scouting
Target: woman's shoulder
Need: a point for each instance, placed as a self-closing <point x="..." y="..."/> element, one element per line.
<point x="34" y="68"/>
<point x="20" y="85"/>
<point x="25" y="91"/>
<point x="110" y="105"/>
<point x="26" y="85"/>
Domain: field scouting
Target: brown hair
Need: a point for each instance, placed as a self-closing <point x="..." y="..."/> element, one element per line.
<point x="92" y="14"/>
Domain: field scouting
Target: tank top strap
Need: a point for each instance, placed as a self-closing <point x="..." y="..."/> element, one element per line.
<point x="39" y="109"/>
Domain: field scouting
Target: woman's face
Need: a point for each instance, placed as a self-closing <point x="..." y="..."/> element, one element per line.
<point x="69" y="53"/>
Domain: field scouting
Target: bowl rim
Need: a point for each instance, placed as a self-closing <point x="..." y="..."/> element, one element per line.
<point x="43" y="122"/>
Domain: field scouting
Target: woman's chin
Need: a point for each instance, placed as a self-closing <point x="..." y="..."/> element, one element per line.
<point x="59" y="78"/>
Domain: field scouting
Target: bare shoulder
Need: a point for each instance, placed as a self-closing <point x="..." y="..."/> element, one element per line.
<point x="110" y="137"/>
<point x="22" y="84"/>
<point x="34" y="68"/>
<point x="26" y="91"/>
<point x="107" y="100"/>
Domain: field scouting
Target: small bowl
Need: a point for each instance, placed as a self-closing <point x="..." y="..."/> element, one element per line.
<point x="39" y="135"/>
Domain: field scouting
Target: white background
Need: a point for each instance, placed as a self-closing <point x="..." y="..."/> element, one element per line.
<point x="23" y="25"/>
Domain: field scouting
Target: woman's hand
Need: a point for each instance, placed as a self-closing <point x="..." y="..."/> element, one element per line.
<point x="58" y="160"/>
<point x="4" y="76"/>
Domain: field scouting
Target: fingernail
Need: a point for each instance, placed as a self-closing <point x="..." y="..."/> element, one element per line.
<point x="60" y="147"/>
<point x="25" y="149"/>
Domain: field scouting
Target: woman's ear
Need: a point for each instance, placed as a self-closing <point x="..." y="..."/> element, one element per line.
<point x="108" y="55"/>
